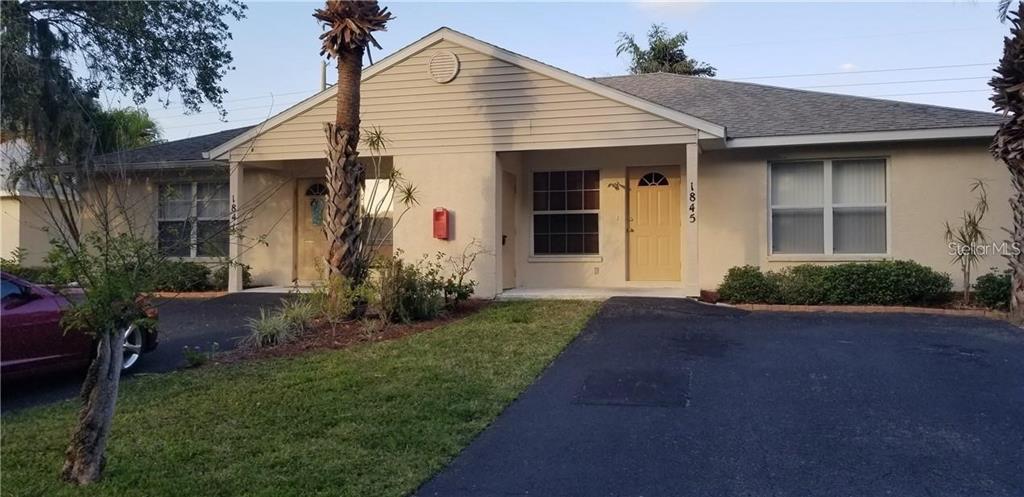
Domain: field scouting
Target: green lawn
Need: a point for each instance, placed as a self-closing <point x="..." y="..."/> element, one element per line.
<point x="376" y="419"/>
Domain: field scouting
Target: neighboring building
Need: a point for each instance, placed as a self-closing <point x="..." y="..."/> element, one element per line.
<point x="24" y="222"/>
<point x="651" y="180"/>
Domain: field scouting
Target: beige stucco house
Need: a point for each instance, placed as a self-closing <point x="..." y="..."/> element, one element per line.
<point x="654" y="181"/>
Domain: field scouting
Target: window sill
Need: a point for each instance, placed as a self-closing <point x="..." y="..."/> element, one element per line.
<point x="565" y="258"/>
<point x="828" y="258"/>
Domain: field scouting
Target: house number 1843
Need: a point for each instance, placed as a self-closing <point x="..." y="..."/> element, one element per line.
<point x="692" y="208"/>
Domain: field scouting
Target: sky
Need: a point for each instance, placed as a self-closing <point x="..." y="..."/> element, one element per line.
<point x="277" y="58"/>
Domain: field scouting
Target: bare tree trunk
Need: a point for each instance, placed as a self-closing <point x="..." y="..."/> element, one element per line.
<point x="345" y="175"/>
<point x="967" y="284"/>
<point x="85" y="456"/>
<point x="1015" y="255"/>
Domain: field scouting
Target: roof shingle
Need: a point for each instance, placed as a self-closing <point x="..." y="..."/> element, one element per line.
<point x="752" y="110"/>
<point x="187" y="149"/>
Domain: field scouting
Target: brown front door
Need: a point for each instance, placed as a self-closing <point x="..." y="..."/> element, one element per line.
<point x="309" y="233"/>
<point x="654" y="223"/>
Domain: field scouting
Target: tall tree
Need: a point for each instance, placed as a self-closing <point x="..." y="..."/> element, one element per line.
<point x="1008" y="145"/>
<point x="123" y="129"/>
<point x="349" y="26"/>
<point x="664" y="53"/>
<point x="56" y="58"/>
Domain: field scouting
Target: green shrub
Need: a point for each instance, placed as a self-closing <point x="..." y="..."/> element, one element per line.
<point x="806" y="284"/>
<point x="183" y="276"/>
<point x="44" y="275"/>
<point x="888" y="283"/>
<point x="219" y="277"/>
<point x="336" y="300"/>
<point x="992" y="290"/>
<point x="39" y="275"/>
<point x="299" y="314"/>
<point x="745" y="284"/>
<point x="409" y="292"/>
<point x="271" y="328"/>
<point x="856" y="283"/>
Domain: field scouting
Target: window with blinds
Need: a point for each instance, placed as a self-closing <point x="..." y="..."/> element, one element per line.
<point x="192" y="219"/>
<point x="828" y="207"/>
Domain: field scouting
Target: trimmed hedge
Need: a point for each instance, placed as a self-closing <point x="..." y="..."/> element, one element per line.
<point x="183" y="276"/>
<point x="219" y="278"/>
<point x="857" y="283"/>
<point x="992" y="290"/>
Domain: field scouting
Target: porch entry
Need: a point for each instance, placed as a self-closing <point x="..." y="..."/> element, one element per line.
<point x="309" y="233"/>
<point x="653" y="216"/>
<point x="508" y="230"/>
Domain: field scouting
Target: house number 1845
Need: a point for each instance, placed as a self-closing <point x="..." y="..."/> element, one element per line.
<point x="692" y="208"/>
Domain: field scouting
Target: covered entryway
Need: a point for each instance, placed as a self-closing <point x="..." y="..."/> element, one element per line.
<point x="653" y="223"/>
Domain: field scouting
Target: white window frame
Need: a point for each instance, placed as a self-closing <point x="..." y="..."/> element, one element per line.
<point x="827" y="212"/>
<point x="193" y="216"/>
<point x="581" y="257"/>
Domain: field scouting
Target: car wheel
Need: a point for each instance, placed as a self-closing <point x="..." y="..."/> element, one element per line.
<point x="133" y="342"/>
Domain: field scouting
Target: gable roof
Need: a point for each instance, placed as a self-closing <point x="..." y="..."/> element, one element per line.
<point x="187" y="149"/>
<point x="753" y="110"/>
<point x="447" y="34"/>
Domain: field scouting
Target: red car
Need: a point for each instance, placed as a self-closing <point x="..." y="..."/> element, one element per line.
<point x="32" y="340"/>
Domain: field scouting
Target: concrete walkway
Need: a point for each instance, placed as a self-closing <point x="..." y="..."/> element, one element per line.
<point x="668" y="397"/>
<point x="589" y="293"/>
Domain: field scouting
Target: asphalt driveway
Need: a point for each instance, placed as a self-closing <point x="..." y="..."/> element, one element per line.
<point x="674" y="398"/>
<point x="183" y="322"/>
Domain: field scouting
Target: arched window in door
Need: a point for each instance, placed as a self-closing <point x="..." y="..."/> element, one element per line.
<point x="316" y="193"/>
<point x="653" y="179"/>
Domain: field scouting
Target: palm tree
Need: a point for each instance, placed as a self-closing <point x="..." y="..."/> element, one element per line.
<point x="1004" y="9"/>
<point x="349" y="25"/>
<point x="664" y="54"/>
<point x="122" y="129"/>
<point x="1008" y="145"/>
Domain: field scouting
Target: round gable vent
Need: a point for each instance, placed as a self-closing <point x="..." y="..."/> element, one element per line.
<point x="443" y="66"/>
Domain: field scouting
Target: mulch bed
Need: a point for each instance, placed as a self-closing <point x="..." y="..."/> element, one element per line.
<point x="328" y="337"/>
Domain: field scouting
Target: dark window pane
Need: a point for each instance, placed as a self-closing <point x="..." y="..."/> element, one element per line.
<point x="377" y="230"/>
<point x="574" y="223"/>
<point x="540" y="181"/>
<point x="557" y="201"/>
<point x="574" y="244"/>
<point x="540" y="201"/>
<point x="590" y="244"/>
<point x="591" y="200"/>
<point x="574" y="201"/>
<point x="574" y="180"/>
<point x="557" y="223"/>
<point x="591" y="180"/>
<point x="590" y="223"/>
<point x="212" y="239"/>
<point x="557" y="244"/>
<point x="540" y="223"/>
<point x="557" y="181"/>
<point x="541" y="244"/>
<point x="174" y="238"/>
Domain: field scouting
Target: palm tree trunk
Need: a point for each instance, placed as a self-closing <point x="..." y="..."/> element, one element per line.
<point x="345" y="175"/>
<point x="86" y="454"/>
<point x="1015" y="255"/>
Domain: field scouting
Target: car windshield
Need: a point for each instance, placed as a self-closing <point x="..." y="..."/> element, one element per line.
<point x="10" y="288"/>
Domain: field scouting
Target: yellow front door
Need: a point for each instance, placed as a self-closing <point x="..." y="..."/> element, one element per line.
<point x="654" y="223"/>
<point x="309" y="232"/>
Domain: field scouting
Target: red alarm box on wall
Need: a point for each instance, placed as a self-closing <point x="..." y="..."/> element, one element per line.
<point x="441" y="226"/>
